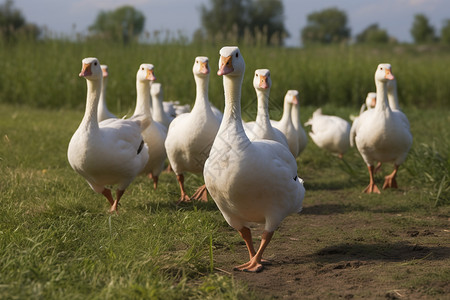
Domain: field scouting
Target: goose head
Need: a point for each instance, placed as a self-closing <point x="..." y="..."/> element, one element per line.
<point x="91" y="69"/>
<point x="156" y="90"/>
<point x="146" y="73"/>
<point x="291" y="97"/>
<point x="231" y="62"/>
<point x="371" y="100"/>
<point x="262" y="80"/>
<point x="104" y="70"/>
<point x="201" y="66"/>
<point x="384" y="73"/>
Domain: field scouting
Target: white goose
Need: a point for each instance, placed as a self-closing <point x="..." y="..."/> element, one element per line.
<point x="261" y="129"/>
<point x="382" y="134"/>
<point x="331" y="133"/>
<point x="191" y="134"/>
<point x="158" y="113"/>
<point x="103" y="112"/>
<point x="155" y="134"/>
<point x="295" y="116"/>
<point x="249" y="181"/>
<point x="111" y="152"/>
<point x="369" y="103"/>
<point x="285" y="124"/>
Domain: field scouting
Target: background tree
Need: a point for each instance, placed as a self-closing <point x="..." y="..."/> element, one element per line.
<point x="421" y="30"/>
<point x="326" y="27"/>
<point x="225" y="17"/>
<point x="445" y="32"/>
<point x="267" y="20"/>
<point x="13" y="23"/>
<point x="373" y="35"/>
<point x="250" y="21"/>
<point x="124" y="24"/>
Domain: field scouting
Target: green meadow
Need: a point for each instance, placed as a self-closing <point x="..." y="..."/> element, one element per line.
<point x="57" y="240"/>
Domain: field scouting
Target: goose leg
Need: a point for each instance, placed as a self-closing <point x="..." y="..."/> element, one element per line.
<point x="255" y="262"/>
<point x="119" y="194"/>
<point x="372" y="187"/>
<point x="107" y="193"/>
<point x="155" y="180"/>
<point x="201" y="194"/>
<point x="184" y="197"/>
<point x="389" y="181"/>
<point x="377" y="168"/>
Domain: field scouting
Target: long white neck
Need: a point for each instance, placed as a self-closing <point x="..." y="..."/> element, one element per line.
<point x="201" y="97"/>
<point x="90" y="119"/>
<point x="142" y="99"/>
<point x="392" y="94"/>
<point x="158" y="110"/>
<point x="382" y="101"/>
<point x="231" y="124"/>
<point x="262" y="116"/>
<point x="286" y="117"/>
<point x="296" y="116"/>
<point x="103" y="93"/>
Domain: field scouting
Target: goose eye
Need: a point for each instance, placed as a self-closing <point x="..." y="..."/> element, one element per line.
<point x="237" y="54"/>
<point x="95" y="63"/>
<point x="256" y="75"/>
<point x="142" y="69"/>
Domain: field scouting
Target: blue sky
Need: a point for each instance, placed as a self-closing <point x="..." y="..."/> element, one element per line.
<point x="396" y="16"/>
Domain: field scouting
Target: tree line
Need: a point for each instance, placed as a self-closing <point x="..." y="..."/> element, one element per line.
<point x="254" y="22"/>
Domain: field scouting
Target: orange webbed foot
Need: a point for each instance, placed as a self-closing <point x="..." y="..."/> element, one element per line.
<point x="372" y="188"/>
<point x="252" y="266"/>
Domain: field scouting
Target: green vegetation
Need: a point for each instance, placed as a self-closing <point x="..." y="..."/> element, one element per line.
<point x="58" y="241"/>
<point x="45" y="74"/>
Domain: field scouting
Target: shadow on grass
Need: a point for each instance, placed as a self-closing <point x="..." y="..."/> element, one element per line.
<point x="391" y="252"/>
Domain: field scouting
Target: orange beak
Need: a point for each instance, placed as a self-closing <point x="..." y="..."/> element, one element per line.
<point x="204" y="68"/>
<point x="373" y="102"/>
<point x="226" y="65"/>
<point x="85" y="70"/>
<point x="263" y="82"/>
<point x="105" y="73"/>
<point x="388" y="74"/>
<point x="150" y="75"/>
<point x="295" y="100"/>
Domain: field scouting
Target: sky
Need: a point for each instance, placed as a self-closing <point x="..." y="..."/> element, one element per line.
<point x="395" y="16"/>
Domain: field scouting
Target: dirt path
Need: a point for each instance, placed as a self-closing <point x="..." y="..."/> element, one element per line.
<point x="330" y="252"/>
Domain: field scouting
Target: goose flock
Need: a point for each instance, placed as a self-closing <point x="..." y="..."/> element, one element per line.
<point x="249" y="168"/>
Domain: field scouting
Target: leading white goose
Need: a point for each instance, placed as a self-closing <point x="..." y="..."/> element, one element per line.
<point x="111" y="152"/>
<point x="285" y="124"/>
<point x="382" y="134"/>
<point x="261" y="129"/>
<point x="191" y="134"/>
<point x="103" y="111"/>
<point x="331" y="133"/>
<point x="249" y="181"/>
<point x="155" y="134"/>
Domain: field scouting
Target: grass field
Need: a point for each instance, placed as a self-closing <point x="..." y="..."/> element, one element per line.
<point x="58" y="241"/>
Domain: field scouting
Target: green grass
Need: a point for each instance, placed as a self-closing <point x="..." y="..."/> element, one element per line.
<point x="58" y="241"/>
<point x="45" y="74"/>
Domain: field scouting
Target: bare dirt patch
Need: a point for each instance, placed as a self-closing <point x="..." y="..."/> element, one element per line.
<point x="332" y="252"/>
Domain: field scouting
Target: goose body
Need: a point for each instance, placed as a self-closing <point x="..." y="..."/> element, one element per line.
<point x="331" y="133"/>
<point x="155" y="134"/>
<point x="382" y="134"/>
<point x="103" y="112"/>
<point x="285" y="124"/>
<point x="261" y="129"/>
<point x="191" y="135"/>
<point x="249" y="181"/>
<point x="111" y="152"/>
